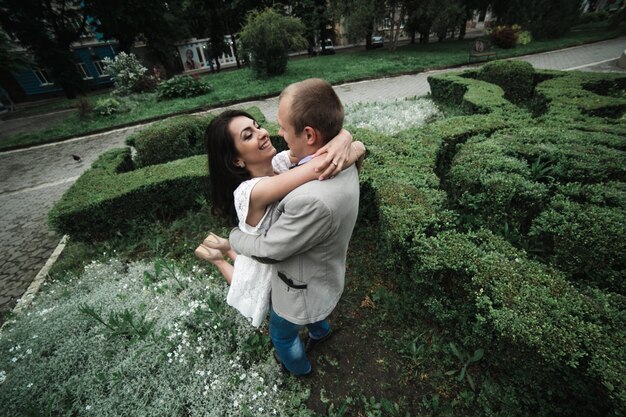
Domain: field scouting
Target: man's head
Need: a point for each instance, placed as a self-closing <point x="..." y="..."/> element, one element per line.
<point x="309" y="114"/>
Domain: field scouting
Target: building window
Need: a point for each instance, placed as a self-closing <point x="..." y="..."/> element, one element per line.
<point x="99" y="68"/>
<point x="82" y="70"/>
<point x="42" y="76"/>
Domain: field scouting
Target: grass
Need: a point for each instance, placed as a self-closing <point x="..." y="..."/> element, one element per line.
<point x="241" y="85"/>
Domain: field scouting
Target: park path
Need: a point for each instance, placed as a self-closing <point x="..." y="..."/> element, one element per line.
<point x="33" y="179"/>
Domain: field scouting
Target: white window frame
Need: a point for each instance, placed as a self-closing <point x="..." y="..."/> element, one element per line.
<point x="82" y="69"/>
<point x="41" y="76"/>
<point x="99" y="68"/>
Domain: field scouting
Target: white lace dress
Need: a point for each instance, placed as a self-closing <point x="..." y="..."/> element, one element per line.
<point x="249" y="290"/>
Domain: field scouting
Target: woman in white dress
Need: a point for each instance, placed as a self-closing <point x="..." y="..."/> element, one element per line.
<point x="242" y="167"/>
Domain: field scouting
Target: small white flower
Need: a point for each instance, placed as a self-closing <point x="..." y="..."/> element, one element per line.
<point x="88" y="408"/>
<point x="14" y="359"/>
<point x="29" y="385"/>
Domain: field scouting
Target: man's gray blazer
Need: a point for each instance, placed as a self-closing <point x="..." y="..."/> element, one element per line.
<point x="308" y="240"/>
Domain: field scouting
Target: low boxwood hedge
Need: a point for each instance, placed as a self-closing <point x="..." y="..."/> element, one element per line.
<point x="109" y="196"/>
<point x="516" y="78"/>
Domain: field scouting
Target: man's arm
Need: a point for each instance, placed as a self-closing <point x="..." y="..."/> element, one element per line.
<point x="305" y="222"/>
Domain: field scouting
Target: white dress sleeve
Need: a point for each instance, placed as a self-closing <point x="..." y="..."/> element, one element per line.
<point x="242" y="205"/>
<point x="281" y="162"/>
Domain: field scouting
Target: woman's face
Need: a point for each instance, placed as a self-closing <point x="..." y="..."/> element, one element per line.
<point x="251" y="141"/>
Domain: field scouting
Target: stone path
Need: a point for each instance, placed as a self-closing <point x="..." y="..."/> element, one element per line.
<point x="33" y="179"/>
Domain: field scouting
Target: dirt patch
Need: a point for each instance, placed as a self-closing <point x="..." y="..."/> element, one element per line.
<point x="357" y="368"/>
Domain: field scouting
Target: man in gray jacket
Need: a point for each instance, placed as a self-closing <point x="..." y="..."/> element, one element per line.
<point x="310" y="231"/>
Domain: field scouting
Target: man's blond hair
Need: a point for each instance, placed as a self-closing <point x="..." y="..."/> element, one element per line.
<point x="314" y="103"/>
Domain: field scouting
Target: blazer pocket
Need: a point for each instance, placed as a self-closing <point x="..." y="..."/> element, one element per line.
<point x="290" y="282"/>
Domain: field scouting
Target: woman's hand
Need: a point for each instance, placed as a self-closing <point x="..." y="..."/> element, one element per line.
<point x="337" y="151"/>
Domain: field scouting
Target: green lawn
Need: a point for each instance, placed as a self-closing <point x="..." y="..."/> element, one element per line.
<point x="241" y="85"/>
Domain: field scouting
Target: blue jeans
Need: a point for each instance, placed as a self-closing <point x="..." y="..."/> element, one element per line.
<point x="288" y="345"/>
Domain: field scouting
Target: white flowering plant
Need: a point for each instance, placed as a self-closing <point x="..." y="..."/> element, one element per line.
<point x="126" y="72"/>
<point x="146" y="337"/>
<point x="392" y="116"/>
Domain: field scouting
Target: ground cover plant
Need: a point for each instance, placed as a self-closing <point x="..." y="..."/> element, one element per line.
<point x="242" y="85"/>
<point x="471" y="287"/>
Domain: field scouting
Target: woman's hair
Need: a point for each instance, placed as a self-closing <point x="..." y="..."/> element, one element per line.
<point x="314" y="103"/>
<point x="224" y="175"/>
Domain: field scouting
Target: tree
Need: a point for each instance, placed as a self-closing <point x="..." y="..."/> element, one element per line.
<point x="420" y="17"/>
<point x="316" y="17"/>
<point x="546" y="19"/>
<point x="10" y="60"/>
<point x="450" y="15"/>
<point x="124" y="20"/>
<point x="268" y="36"/>
<point x="47" y="29"/>
<point x="361" y="17"/>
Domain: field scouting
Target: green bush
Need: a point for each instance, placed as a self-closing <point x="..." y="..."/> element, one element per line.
<point x="471" y="95"/>
<point x="516" y="78"/>
<point x="109" y="105"/>
<point x="533" y="324"/>
<point x="504" y="37"/>
<point x="182" y="86"/>
<point x="268" y="37"/>
<point x="174" y="138"/>
<point x="127" y="73"/>
<point x="586" y="241"/>
<point x="109" y="196"/>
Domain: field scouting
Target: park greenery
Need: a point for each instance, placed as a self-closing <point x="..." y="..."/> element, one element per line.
<point x="228" y="87"/>
<point x="485" y="275"/>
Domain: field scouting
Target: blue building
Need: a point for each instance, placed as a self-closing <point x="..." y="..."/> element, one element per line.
<point x="35" y="83"/>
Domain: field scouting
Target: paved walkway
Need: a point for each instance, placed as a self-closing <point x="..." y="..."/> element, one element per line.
<point x="34" y="179"/>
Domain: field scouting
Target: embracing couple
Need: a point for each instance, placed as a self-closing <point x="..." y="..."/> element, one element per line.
<point x="289" y="251"/>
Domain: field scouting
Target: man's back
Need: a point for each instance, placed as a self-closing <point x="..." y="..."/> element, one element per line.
<point x="319" y="218"/>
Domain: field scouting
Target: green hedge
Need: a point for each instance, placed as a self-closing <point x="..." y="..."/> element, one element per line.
<point x="516" y="78"/>
<point x="532" y="323"/>
<point x="552" y="323"/>
<point x="109" y="196"/>
<point x="168" y="140"/>
<point x="117" y="191"/>
<point x="175" y="138"/>
<point x="586" y="241"/>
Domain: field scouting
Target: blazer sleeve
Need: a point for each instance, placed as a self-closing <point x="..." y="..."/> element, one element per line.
<point x="304" y="222"/>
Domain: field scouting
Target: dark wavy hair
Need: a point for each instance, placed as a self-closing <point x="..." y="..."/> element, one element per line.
<point x="224" y="175"/>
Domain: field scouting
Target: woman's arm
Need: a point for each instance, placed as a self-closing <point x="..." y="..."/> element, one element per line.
<point x="338" y="154"/>
<point x="271" y="189"/>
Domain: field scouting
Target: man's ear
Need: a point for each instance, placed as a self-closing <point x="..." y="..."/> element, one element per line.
<point x="312" y="135"/>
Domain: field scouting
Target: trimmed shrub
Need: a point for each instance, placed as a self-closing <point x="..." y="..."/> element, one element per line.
<point x="535" y="326"/>
<point x="182" y="86"/>
<point x="471" y="95"/>
<point x="108" y="196"/>
<point x="586" y="241"/>
<point x="174" y="138"/>
<point x="516" y="78"/>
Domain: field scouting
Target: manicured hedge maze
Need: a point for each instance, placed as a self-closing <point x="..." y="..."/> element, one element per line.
<point x="505" y="227"/>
